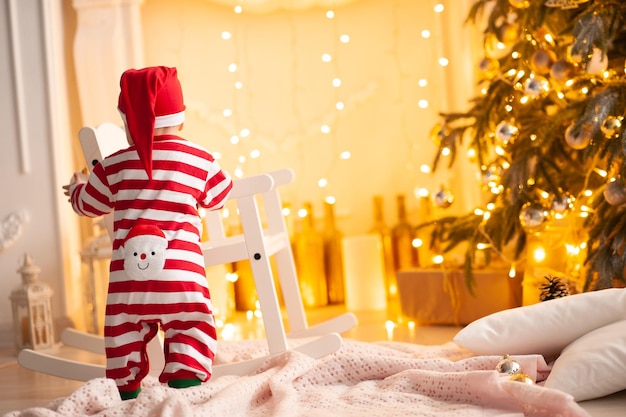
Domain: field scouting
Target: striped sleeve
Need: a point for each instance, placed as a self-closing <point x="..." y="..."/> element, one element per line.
<point x="218" y="188"/>
<point x="93" y="198"/>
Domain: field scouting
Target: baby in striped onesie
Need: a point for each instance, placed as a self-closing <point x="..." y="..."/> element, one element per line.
<point x="157" y="273"/>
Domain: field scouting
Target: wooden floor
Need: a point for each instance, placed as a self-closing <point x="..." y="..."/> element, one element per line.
<point x="21" y="389"/>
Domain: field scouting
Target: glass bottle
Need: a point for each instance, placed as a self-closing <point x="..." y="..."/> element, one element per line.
<point x="309" y="258"/>
<point x="403" y="234"/>
<point x="245" y="289"/>
<point x="381" y="229"/>
<point x="333" y="256"/>
<point x="289" y="217"/>
<point x="425" y="215"/>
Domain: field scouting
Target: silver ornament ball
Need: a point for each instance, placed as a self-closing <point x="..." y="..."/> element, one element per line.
<point x="444" y="198"/>
<point x="536" y="86"/>
<point x="561" y="204"/>
<point x="506" y="132"/>
<point x="508" y="365"/>
<point x="615" y="193"/>
<point x="534" y="217"/>
<point x="542" y="60"/>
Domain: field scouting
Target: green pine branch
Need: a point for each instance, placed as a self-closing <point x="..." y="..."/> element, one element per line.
<point x="540" y="159"/>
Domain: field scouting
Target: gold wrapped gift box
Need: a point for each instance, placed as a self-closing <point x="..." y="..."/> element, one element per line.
<point x="436" y="296"/>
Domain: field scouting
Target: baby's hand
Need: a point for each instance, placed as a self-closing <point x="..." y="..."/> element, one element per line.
<point x="80" y="177"/>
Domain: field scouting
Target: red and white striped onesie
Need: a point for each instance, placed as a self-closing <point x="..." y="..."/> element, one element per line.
<point x="184" y="176"/>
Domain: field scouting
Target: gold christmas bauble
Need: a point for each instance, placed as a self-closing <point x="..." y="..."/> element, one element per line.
<point x="578" y="137"/>
<point x="520" y="4"/>
<point x="561" y="71"/>
<point x="573" y="57"/>
<point x="489" y="67"/>
<point x="509" y="33"/>
<point x="611" y="127"/>
<point x="438" y="134"/>
<point x="542" y="60"/>
<point x="526" y="379"/>
<point x="493" y="48"/>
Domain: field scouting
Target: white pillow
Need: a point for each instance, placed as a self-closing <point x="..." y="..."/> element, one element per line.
<point x="544" y="328"/>
<point x="592" y="366"/>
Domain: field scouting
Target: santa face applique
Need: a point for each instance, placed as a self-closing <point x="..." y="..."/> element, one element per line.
<point x="144" y="252"/>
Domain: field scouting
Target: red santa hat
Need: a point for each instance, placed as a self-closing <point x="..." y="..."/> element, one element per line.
<point x="150" y="97"/>
<point x="144" y="230"/>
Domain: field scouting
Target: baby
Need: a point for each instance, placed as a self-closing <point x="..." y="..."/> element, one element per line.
<point x="157" y="273"/>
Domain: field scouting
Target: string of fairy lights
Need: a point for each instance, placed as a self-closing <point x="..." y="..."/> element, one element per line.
<point x="251" y="145"/>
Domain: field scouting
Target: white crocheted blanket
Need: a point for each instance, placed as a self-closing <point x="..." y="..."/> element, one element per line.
<point x="361" y="379"/>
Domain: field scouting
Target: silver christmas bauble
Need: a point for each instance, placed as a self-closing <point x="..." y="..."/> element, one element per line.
<point x="611" y="127"/>
<point x="615" y="193"/>
<point x="577" y="138"/>
<point x="534" y="217"/>
<point x="561" y="204"/>
<point x="508" y="365"/>
<point x="506" y="132"/>
<point x="542" y="60"/>
<point x="444" y="198"/>
<point x="536" y="87"/>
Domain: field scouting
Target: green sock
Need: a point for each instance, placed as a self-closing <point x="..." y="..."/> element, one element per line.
<point x="183" y="383"/>
<point x="129" y="395"/>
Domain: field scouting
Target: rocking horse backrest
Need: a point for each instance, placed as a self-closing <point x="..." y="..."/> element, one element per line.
<point x="98" y="143"/>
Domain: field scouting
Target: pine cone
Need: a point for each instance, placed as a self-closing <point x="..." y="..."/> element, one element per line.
<point x="556" y="287"/>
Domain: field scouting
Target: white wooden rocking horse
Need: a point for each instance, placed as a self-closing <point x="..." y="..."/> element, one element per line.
<point x="257" y="243"/>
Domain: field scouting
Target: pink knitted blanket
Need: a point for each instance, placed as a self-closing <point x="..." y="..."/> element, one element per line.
<point x="361" y="379"/>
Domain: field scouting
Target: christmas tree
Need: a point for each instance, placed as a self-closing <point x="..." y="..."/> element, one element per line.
<point x="546" y="132"/>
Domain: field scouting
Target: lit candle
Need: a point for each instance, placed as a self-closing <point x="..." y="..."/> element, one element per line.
<point x="389" y="326"/>
<point x="364" y="273"/>
<point x="411" y="325"/>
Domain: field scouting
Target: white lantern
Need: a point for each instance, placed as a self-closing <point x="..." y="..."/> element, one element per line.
<point x="32" y="315"/>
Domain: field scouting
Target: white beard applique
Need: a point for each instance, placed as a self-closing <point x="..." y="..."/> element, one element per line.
<point x="144" y="252"/>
